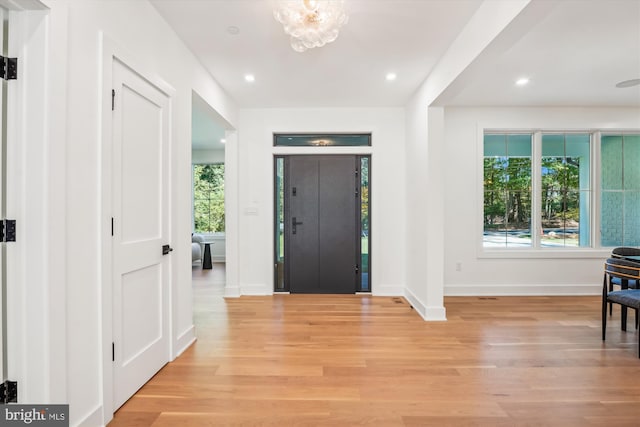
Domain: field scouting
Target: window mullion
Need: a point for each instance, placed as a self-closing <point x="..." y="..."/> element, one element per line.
<point x="536" y="188"/>
<point x="596" y="192"/>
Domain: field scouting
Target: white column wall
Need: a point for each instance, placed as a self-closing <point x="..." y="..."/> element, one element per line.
<point x="425" y="160"/>
<point x="560" y="272"/>
<point x="256" y="151"/>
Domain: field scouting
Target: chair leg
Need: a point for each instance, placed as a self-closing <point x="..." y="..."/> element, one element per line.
<point x="604" y="312"/>
<point x="623" y="317"/>
<point x="608" y="279"/>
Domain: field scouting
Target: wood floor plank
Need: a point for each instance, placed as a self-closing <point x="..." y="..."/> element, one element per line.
<point x="331" y="360"/>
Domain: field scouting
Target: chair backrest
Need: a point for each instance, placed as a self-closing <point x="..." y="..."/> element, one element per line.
<point x="625" y="251"/>
<point x="622" y="268"/>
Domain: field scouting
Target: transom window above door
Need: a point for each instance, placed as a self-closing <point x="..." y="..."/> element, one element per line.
<point x="321" y="140"/>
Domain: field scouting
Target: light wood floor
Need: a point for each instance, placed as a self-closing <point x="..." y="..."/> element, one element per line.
<point x="310" y="360"/>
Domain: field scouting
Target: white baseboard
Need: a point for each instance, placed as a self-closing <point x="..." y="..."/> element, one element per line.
<point x="93" y="419"/>
<point x="428" y="313"/>
<point x="185" y="340"/>
<point x="522" y="290"/>
<point x="388" y="291"/>
<point x="231" y="292"/>
<point x="259" y="289"/>
<point x="415" y="303"/>
<point x="435" y="314"/>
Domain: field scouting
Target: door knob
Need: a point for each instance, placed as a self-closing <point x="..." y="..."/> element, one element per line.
<point x="294" y="224"/>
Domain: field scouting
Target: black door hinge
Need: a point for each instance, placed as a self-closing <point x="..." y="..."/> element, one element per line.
<point x="113" y="99"/>
<point x="8" y="230"/>
<point x="9" y="68"/>
<point x="9" y="392"/>
<point x="113" y="352"/>
<point x="357" y="269"/>
<point x="112" y="226"/>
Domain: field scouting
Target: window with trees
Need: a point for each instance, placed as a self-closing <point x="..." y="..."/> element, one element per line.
<point x="208" y="198"/>
<point x="565" y="190"/>
<point x="507" y="190"/>
<point x="540" y="190"/>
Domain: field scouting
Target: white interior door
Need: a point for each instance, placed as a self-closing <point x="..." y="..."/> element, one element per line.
<point x="140" y="229"/>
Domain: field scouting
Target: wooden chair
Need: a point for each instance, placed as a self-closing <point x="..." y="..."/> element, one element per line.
<point x="623" y="252"/>
<point x="624" y="270"/>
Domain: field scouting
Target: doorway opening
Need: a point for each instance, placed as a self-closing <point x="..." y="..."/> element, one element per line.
<point x="322" y="224"/>
<point x="208" y="172"/>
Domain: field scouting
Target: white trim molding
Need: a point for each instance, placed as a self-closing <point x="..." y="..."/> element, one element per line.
<point x="543" y="289"/>
<point x="388" y="291"/>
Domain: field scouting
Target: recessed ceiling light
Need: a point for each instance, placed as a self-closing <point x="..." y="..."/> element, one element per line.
<point x="391" y="76"/>
<point x="250" y="78"/>
<point x="629" y="83"/>
<point x="522" y="81"/>
<point x="233" y="30"/>
<point x="223" y="140"/>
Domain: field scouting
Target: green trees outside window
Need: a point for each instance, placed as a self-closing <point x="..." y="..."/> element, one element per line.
<point x="507" y="190"/>
<point x="557" y="180"/>
<point x="566" y="193"/>
<point x="208" y="198"/>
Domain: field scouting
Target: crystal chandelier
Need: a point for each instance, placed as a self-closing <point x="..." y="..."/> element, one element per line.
<point x="310" y="23"/>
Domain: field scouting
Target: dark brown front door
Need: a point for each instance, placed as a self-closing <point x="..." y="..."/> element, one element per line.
<point x="322" y="223"/>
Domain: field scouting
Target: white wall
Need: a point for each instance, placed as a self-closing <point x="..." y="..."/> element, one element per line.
<point x="565" y="272"/>
<point x="207" y="156"/>
<point x="136" y="28"/>
<point x="255" y="153"/>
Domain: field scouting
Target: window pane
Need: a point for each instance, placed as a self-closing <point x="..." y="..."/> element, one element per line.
<point x="518" y="226"/>
<point x="495" y="232"/>
<point x="365" y="279"/>
<point x="620" y="200"/>
<point x="611" y="218"/>
<point x="208" y="198"/>
<point x="507" y="195"/>
<point x="611" y="162"/>
<point x="631" y="172"/>
<point x="321" y="140"/>
<point x="279" y="224"/>
<point x="565" y="171"/>
<point x="631" y="225"/>
<point x="495" y="145"/>
<point x="519" y="145"/>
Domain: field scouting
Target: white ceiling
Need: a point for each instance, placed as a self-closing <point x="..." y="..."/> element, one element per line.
<point x="574" y="52"/>
<point x="404" y="36"/>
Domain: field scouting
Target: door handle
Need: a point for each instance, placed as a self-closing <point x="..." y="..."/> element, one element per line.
<point x="166" y="249"/>
<point x="294" y="224"/>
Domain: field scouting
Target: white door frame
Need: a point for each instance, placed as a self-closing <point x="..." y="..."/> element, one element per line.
<point x="110" y="52"/>
<point x="36" y="314"/>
